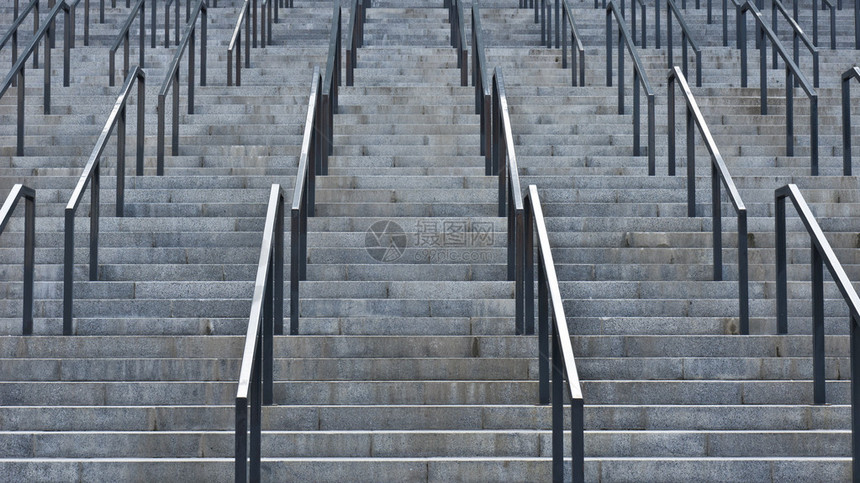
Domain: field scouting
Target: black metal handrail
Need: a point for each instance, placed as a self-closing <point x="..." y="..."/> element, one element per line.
<point x="172" y="80"/>
<point x="17" y="73"/>
<point x="311" y="162"/>
<point x="792" y="72"/>
<point x="330" y="86"/>
<point x="124" y="38"/>
<point x="822" y="254"/>
<point x="29" y="194"/>
<point x="847" y="76"/>
<point x="176" y="23"/>
<point x="12" y="33"/>
<point x="825" y="4"/>
<point x="577" y="51"/>
<point x="235" y="45"/>
<point x="482" y="83"/>
<point x="458" y="36"/>
<point x="719" y="175"/>
<point x="355" y="34"/>
<point x="543" y="14"/>
<point x="91" y="175"/>
<point x="510" y="193"/>
<point x="563" y="361"/>
<point x="266" y="23"/>
<point x="639" y="77"/>
<point x="797" y="36"/>
<point x="686" y="38"/>
<point x="266" y="320"/>
<point x="644" y="42"/>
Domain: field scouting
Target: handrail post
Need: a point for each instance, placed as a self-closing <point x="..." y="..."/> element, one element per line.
<point x="691" y="170"/>
<point x="29" y="258"/>
<point x="846" y="119"/>
<point x="95" y="185"/>
<point x="817" y="278"/>
<point x="141" y="113"/>
<point x="120" y="162"/>
<point x="240" y="468"/>
<point x="68" y="269"/>
<point x="781" y="263"/>
<point x="543" y="334"/>
<point x="557" y="408"/>
<point x="743" y="274"/>
<point x="20" y="131"/>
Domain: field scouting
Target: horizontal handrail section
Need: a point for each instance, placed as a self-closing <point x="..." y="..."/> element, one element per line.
<point x="124" y="38"/>
<point x="577" y="51"/>
<point x="797" y="36"/>
<point x="822" y="254"/>
<point x="29" y="194"/>
<point x="557" y="334"/>
<point x="458" y="36"/>
<point x="639" y="77"/>
<point x="16" y="75"/>
<point x="510" y="194"/>
<point x="235" y="46"/>
<point x="719" y="175"/>
<point x="12" y="33"/>
<point x="91" y="175"/>
<point x="255" y="386"/>
<point x="311" y="163"/>
<point x="355" y="34"/>
<point x="847" y="76"/>
<point x="172" y="80"/>
<point x="792" y="73"/>
<point x="482" y="83"/>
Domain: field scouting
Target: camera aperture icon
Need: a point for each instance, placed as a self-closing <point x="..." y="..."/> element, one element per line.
<point x="385" y="241"/>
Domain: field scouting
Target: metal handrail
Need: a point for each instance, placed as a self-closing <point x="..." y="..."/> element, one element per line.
<point x="266" y="23"/>
<point x="235" y="45"/>
<point x="29" y="194"/>
<point x="310" y="160"/>
<point x="719" y="173"/>
<point x="124" y="38"/>
<point x="577" y="51"/>
<point x="12" y="34"/>
<point x="17" y="72"/>
<point x="828" y="5"/>
<point x="822" y="254"/>
<point x="266" y="321"/>
<point x="686" y="38"/>
<point x="167" y="4"/>
<point x="639" y="77"/>
<point x="847" y="76"/>
<point x="545" y="19"/>
<point x="510" y="193"/>
<point x="91" y="175"/>
<point x="172" y="80"/>
<point x="483" y="96"/>
<point x="330" y="86"/>
<point x="563" y="360"/>
<point x="797" y="36"/>
<point x="792" y="72"/>
<point x="355" y="34"/>
<point x="644" y="42"/>
<point x="458" y="37"/>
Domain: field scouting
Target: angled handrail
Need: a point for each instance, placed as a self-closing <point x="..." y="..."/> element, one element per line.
<point x="482" y="83"/>
<point x="12" y="33"/>
<point x="797" y="36"/>
<point x="577" y="51"/>
<point x="330" y="86"/>
<point x="17" y="72"/>
<point x="719" y="175"/>
<point x="563" y="361"/>
<point x="822" y="254"/>
<point x="639" y="77"/>
<point x="792" y="72"/>
<point x="266" y="320"/>
<point x="686" y="38"/>
<point x="29" y="194"/>
<point x="172" y="80"/>
<point x="235" y="45"/>
<point x="304" y="194"/>
<point x="91" y="175"/>
<point x="355" y="34"/>
<point x="124" y="38"/>
<point x="176" y="26"/>
<point x="510" y="193"/>
<point x="847" y="76"/>
<point x="458" y="37"/>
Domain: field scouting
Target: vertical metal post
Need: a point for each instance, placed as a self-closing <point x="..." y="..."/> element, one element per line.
<point x="781" y="276"/>
<point x="557" y="23"/>
<point x="657" y="23"/>
<point x="609" y="49"/>
<point x="716" y="214"/>
<point x="637" y="131"/>
<point x="621" y="82"/>
<point x="577" y="440"/>
<point x="691" y="164"/>
<point x="29" y="260"/>
<point x="742" y="44"/>
<point x="175" y="127"/>
<point x="543" y="333"/>
<point x="240" y="470"/>
<point x="68" y="41"/>
<point x="813" y="132"/>
<point x="68" y="269"/>
<point x="652" y="136"/>
<point x="256" y="412"/>
<point x="817" y="325"/>
<point x="846" y="126"/>
<point x="762" y="69"/>
<point x="528" y="269"/>
<point x="159" y="167"/>
<point x="20" y="131"/>
<point x="86" y="23"/>
<point x="203" y="23"/>
<point x="295" y="240"/>
<point x="191" y="45"/>
<point x="557" y="408"/>
<point x="141" y="113"/>
<point x="254" y="23"/>
<point x="152" y="24"/>
<point x="855" y="391"/>
<point x="46" y="83"/>
<point x="247" y="43"/>
<point x="268" y="333"/>
<point x="120" y="162"/>
<point x="670" y="123"/>
<point x="95" y="188"/>
<point x="279" y="269"/>
<point x="743" y="273"/>
<point x="789" y="113"/>
<point x="525" y="326"/>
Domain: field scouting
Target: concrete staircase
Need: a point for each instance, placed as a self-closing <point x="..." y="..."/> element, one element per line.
<point x="408" y="368"/>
